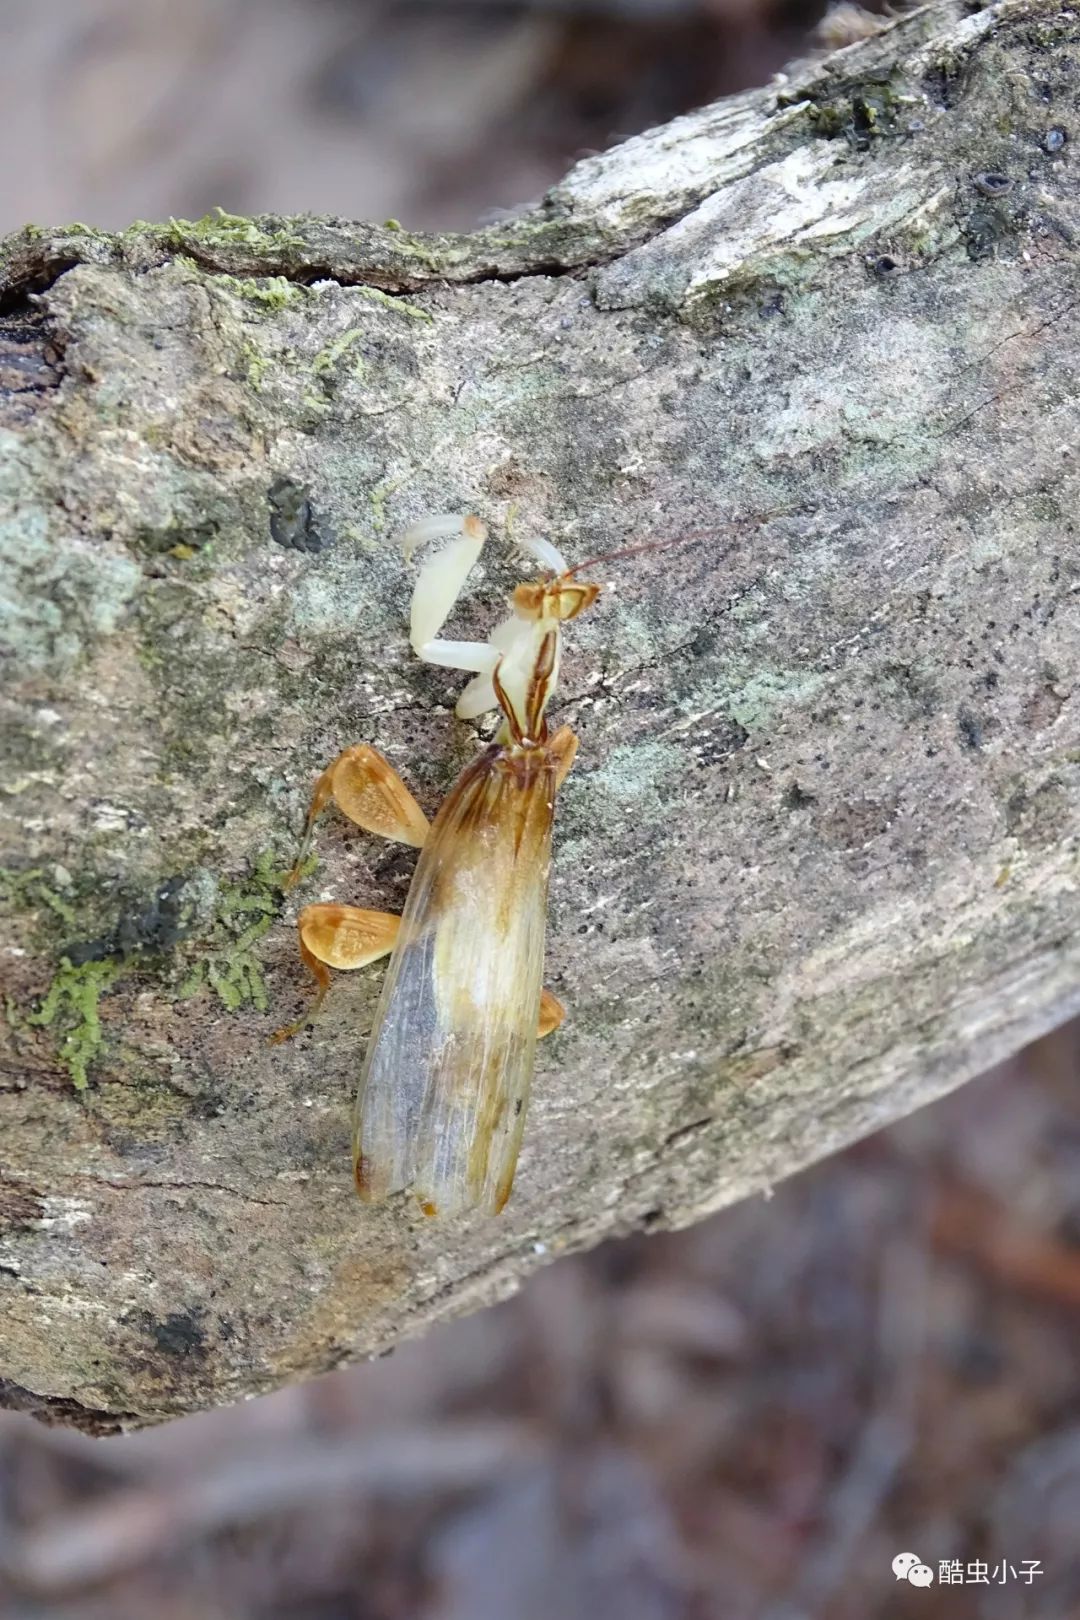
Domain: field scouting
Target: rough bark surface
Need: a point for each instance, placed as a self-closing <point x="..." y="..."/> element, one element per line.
<point x="818" y="860"/>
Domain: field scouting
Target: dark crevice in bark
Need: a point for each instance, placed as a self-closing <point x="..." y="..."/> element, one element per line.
<point x="31" y="362"/>
<point x="37" y="278"/>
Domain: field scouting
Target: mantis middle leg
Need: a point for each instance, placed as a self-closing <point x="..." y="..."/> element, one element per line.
<point x="366" y="787"/>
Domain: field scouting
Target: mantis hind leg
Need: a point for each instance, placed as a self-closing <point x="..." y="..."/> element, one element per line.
<point x="552" y="1013"/>
<point x="348" y="937"/>
<point x="367" y="789"/>
<point x="343" y="937"/>
<point x="562" y="747"/>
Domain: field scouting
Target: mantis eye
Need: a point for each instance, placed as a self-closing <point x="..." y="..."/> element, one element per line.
<point x="574" y="599"/>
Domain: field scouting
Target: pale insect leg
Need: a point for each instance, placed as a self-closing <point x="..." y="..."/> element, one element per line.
<point x="544" y="552"/>
<point x="442" y="577"/>
<point x="477" y="699"/>
<point x="476" y="656"/>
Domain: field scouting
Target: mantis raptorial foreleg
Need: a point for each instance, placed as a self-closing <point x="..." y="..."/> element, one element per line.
<point x="438" y="586"/>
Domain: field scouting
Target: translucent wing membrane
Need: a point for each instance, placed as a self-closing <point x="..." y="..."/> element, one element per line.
<point x="442" y="1100"/>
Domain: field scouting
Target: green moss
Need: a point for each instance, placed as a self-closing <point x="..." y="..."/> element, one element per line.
<point x="253" y="363"/>
<point x="400" y="305"/>
<point x="28" y="890"/>
<point x="70" y="1008"/>
<point x="268" y="292"/>
<point x="416" y="248"/>
<point x="861" y="113"/>
<point x="236" y="230"/>
<point x="225" y="959"/>
<point x="326" y="361"/>
<point x="379" y="497"/>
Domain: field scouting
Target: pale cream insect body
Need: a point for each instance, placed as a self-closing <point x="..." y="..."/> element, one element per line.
<point x="445" y="1084"/>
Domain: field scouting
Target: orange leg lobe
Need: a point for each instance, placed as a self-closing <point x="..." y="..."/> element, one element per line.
<point x="342" y="937"/>
<point x="563" y="745"/>
<point x="552" y="1013"/>
<point x="367" y="789"/>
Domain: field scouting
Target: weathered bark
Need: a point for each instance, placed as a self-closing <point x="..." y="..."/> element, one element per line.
<point x="818" y="860"/>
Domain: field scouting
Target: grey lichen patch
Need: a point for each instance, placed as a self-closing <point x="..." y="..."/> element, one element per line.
<point x="897" y="371"/>
<point x="776" y="228"/>
<point x="989" y="226"/>
<point x="756" y="705"/>
<point x="56" y="598"/>
<point x="136" y="1104"/>
<point x="632" y="780"/>
<point x="332" y="603"/>
<point x="1038" y="813"/>
<point x="213" y="669"/>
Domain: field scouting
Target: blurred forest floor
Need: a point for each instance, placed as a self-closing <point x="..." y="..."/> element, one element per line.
<point x="432" y="112"/>
<point x="745" y="1421"/>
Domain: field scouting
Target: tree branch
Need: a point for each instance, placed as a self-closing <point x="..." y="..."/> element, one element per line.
<point x="817" y="862"/>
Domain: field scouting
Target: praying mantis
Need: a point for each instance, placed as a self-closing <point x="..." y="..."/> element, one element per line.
<point x="444" y="1088"/>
